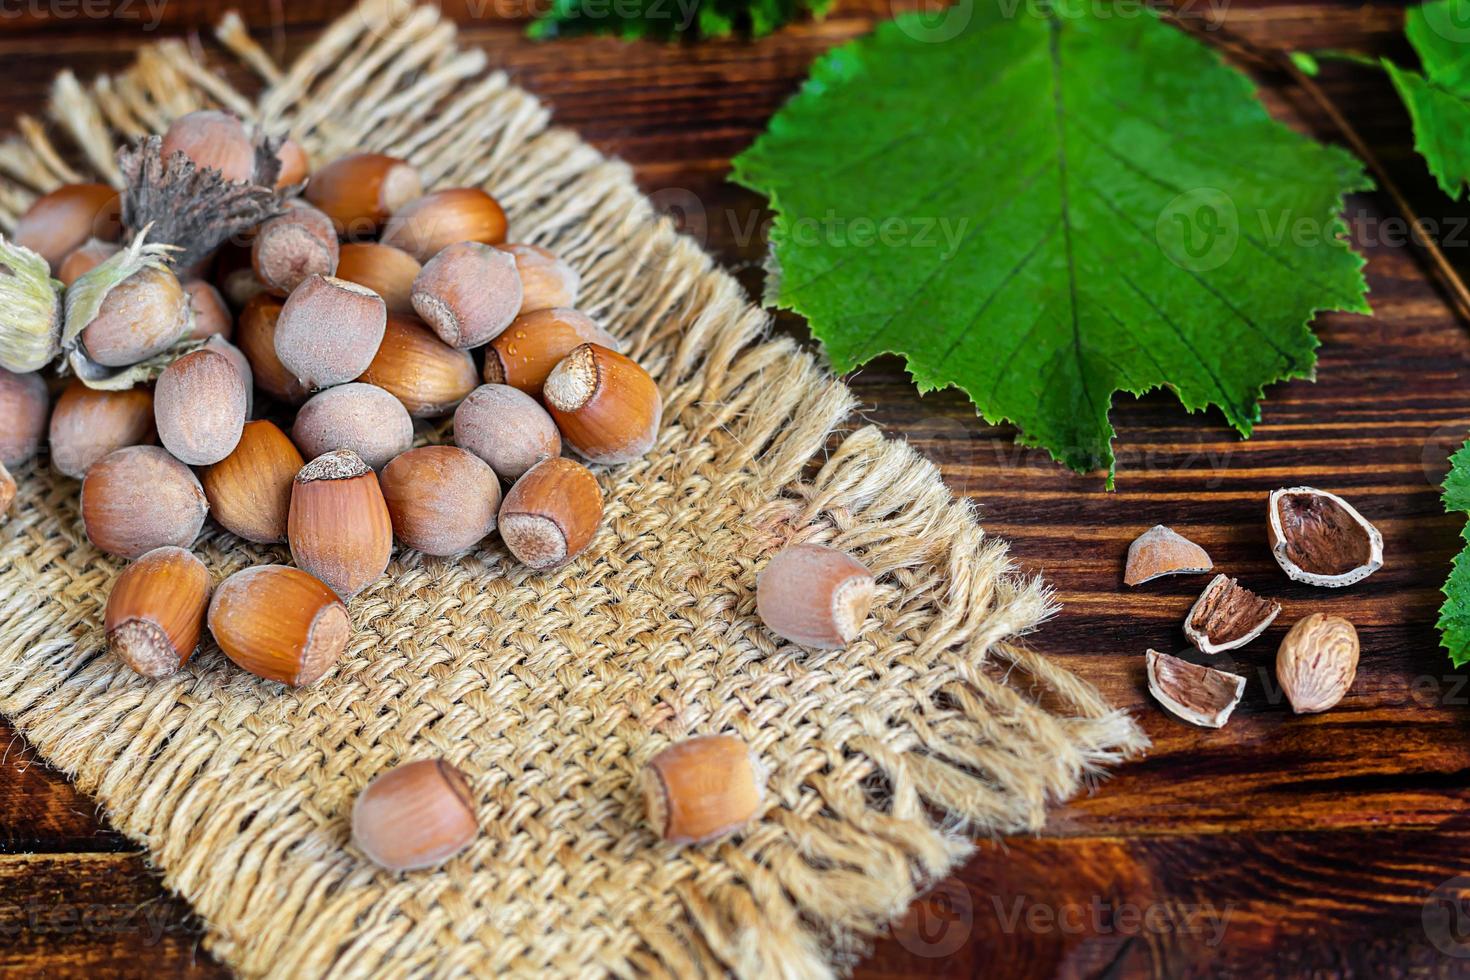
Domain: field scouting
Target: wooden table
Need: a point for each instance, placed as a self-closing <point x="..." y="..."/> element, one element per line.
<point x="1279" y="845"/>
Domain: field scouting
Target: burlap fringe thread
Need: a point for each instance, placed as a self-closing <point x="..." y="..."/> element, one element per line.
<point x="552" y="690"/>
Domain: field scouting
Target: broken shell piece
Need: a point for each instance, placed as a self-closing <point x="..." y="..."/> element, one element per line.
<point x="1228" y="615"/>
<point x="1194" y="693"/>
<point x="1161" y="551"/>
<point x="1320" y="539"/>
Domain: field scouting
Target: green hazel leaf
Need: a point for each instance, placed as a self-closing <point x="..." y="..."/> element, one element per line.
<point x="1440" y="34"/>
<point x="1439" y="99"/>
<point x="1454" y="615"/>
<point x="1045" y="204"/>
<point x="671" y="19"/>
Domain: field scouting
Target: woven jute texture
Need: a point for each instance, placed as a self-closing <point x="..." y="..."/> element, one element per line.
<point x="551" y="690"/>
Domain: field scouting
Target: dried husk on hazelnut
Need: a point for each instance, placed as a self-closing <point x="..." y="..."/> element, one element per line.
<point x="1227" y="616"/>
<point x="1317" y="662"/>
<point x="1191" y="692"/>
<point x="1161" y="551"/>
<point x="30" y="309"/>
<point x="1320" y="539"/>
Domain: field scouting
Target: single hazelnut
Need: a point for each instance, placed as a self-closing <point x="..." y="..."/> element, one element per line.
<point x="63" y="220"/>
<point x="550" y="515"/>
<point x="139" y="498"/>
<point x="468" y="293"/>
<point x="359" y="192"/>
<point x="361" y="417"/>
<point x="24" y="403"/>
<point x="338" y="525"/>
<point x="279" y="623"/>
<point x="155" y="611"/>
<point x="1193" y="692"/>
<point x="442" y="499"/>
<point x="84" y="258"/>
<point x="415" y="816"/>
<point x="295" y="164"/>
<point x="256" y="333"/>
<point x="1320" y="539"/>
<point x="427" y="224"/>
<point x="386" y="270"/>
<point x="214" y="140"/>
<point x="211" y="315"/>
<point x="329" y="330"/>
<point x="241" y="363"/>
<point x="87" y="424"/>
<point x="427" y="375"/>
<point x="702" y="788"/>
<point x="546" y="281"/>
<point x="141" y="316"/>
<point x="291" y="247"/>
<point x="249" y="491"/>
<point x="199" y="407"/>
<point x="239" y="286"/>
<point x="524" y="354"/>
<point x="814" y="595"/>
<point x="1317" y="662"/>
<point x="507" y="428"/>
<point x="607" y="407"/>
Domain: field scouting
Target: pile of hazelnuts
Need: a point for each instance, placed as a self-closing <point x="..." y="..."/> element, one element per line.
<point x="367" y="304"/>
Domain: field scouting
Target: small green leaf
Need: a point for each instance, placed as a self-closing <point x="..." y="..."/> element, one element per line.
<point x="1454" y="616"/>
<point x="1439" y="99"/>
<point x="1306" y="63"/>
<point x="1046" y="204"/>
<point x="670" y="19"/>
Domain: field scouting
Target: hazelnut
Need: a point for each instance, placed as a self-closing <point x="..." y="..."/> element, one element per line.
<point x="814" y="595"/>
<point x="360" y="191"/>
<point x="468" y="293"/>
<point x="329" y="330"/>
<point x="241" y="364"/>
<point x="607" y="407"/>
<point x="1317" y="662"/>
<point x="1320" y="539"/>
<point x="155" y="611"/>
<point x="199" y="407"/>
<point x="546" y="281"/>
<point x="249" y="491"/>
<point x="24" y="402"/>
<point x="295" y="165"/>
<point x="361" y="417"/>
<point x="279" y="623"/>
<point x="239" y="286"/>
<point x="506" y="428"/>
<point x="1227" y="616"/>
<point x="63" y="220"/>
<point x="550" y="515"/>
<point x="1193" y="692"/>
<point x="415" y="816"/>
<point x="524" y="354"/>
<point x="211" y="316"/>
<point x="213" y="140"/>
<point x="338" y="525"/>
<point x="702" y="789"/>
<point x="87" y="424"/>
<point x="84" y="258"/>
<point x="256" y="332"/>
<point x="427" y="224"/>
<point x="141" y="316"/>
<point x="139" y="498"/>
<point x="293" y="246"/>
<point x="427" y="375"/>
<point x="385" y="270"/>
<point x="442" y="499"/>
<point x="1161" y="551"/>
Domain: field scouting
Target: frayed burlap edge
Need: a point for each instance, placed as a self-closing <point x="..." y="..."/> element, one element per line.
<point x="884" y="759"/>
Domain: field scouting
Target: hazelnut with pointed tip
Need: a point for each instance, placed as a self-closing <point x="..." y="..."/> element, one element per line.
<point x="338" y="524"/>
<point x="1317" y="662"/>
<point x="607" y="407"/>
<point x="549" y="517"/>
<point x="249" y="491"/>
<point x="155" y="611"/>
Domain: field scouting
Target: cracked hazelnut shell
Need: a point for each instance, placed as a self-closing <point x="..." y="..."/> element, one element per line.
<point x="1227" y="616"/>
<point x="1161" y="551"/>
<point x="1320" y="539"/>
<point x="1192" y="692"/>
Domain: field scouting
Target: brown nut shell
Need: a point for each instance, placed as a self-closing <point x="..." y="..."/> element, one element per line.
<point x="140" y="498"/>
<point x="442" y="499"/>
<point x="359" y="192"/>
<point x="385" y="270"/>
<point x="428" y="376"/>
<point x="814" y="595"/>
<point x="1227" y="616"/>
<point x="290" y="248"/>
<point x="338" y="525"/>
<point x="87" y="424"/>
<point x="155" y="611"/>
<point x="256" y="334"/>
<point x="468" y="293"/>
<point x="428" y="224"/>
<point x="249" y="491"/>
<point x="534" y="343"/>
<point x="1317" y="662"/>
<point x="546" y="281"/>
<point x="1320" y="539"/>
<point x="329" y="331"/>
<point x="551" y="514"/>
<point x="279" y="623"/>
<point x="507" y="428"/>
<point x="83" y="259"/>
<point x="214" y="140"/>
<point x="607" y="407"/>
<point x="24" y="403"/>
<point x="140" y="317"/>
<point x="295" y="164"/>
<point x="417" y="815"/>
<point x="211" y="314"/>
<point x="199" y="406"/>
<point x="59" y="222"/>
<point x="1161" y="551"/>
<point x="361" y="417"/>
<point x="702" y="788"/>
<point x="1193" y="692"/>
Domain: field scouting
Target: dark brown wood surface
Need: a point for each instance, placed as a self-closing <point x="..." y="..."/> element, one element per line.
<point x="1318" y="846"/>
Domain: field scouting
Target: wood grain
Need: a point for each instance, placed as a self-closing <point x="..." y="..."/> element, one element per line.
<point x="1324" y="837"/>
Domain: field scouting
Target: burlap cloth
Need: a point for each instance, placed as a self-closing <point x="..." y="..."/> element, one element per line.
<point x="551" y="690"/>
